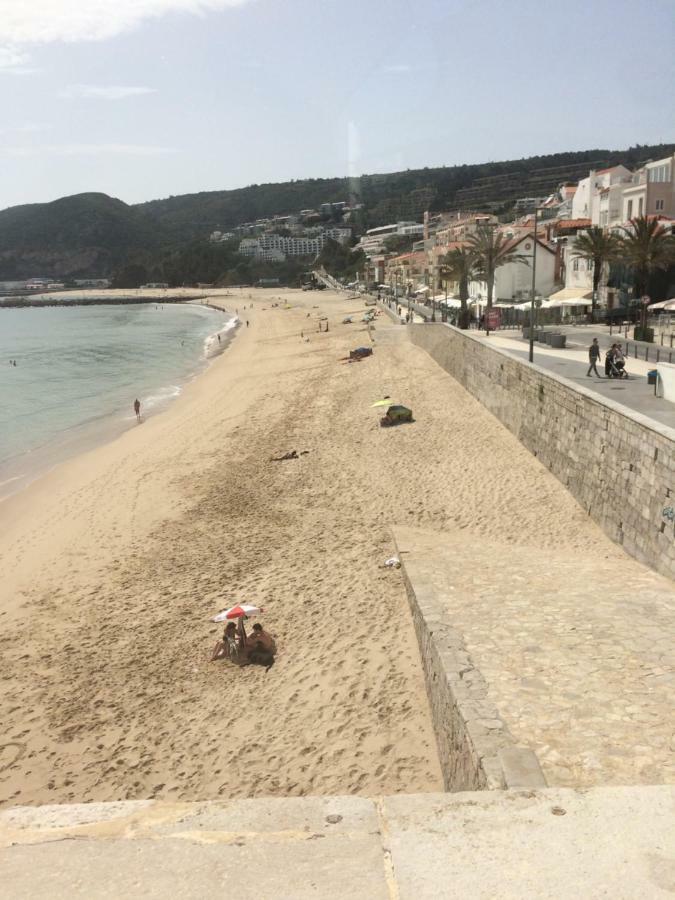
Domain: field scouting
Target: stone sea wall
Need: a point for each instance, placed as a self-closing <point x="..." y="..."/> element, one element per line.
<point x="619" y="465"/>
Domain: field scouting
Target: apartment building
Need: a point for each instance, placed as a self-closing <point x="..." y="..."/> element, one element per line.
<point x="611" y="197"/>
<point x="652" y="191"/>
<point x="372" y="242"/>
<point x="274" y="247"/>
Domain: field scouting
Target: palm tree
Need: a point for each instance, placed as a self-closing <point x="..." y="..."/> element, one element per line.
<point x="598" y="247"/>
<point x="491" y="251"/>
<point x="459" y="264"/>
<point x="646" y="246"/>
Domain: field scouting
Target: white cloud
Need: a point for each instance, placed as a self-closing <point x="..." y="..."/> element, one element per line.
<point x="88" y="150"/>
<point x="44" y="21"/>
<point x="104" y="92"/>
<point x="10" y="57"/>
<point x="13" y="61"/>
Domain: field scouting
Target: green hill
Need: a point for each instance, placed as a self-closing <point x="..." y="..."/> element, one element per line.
<point x="79" y="235"/>
<point x="93" y="234"/>
<point x="398" y="195"/>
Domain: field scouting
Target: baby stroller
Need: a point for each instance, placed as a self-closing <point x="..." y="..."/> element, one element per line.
<point x="615" y="368"/>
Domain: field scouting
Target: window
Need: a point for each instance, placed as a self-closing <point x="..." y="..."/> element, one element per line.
<point x="660" y="173"/>
<point x="575" y="264"/>
<point x="658" y="205"/>
<point x="630" y="210"/>
<point x="640" y="201"/>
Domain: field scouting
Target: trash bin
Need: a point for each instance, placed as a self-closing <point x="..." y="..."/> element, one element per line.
<point x="541" y="337"/>
<point x="651" y="376"/>
<point x="558" y="340"/>
<point x="547" y="336"/>
<point x="526" y="332"/>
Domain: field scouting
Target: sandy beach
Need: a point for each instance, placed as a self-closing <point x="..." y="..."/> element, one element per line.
<point x="112" y="564"/>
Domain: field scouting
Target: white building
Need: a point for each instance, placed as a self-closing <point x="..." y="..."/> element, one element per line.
<point x="585" y="204"/>
<point x="372" y="242"/>
<point x="610" y="197"/>
<point x="652" y="191"/>
<point x="217" y="237"/>
<point x="514" y="280"/>
<point x="274" y="247"/>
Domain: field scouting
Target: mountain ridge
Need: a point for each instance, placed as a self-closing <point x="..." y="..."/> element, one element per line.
<point x="94" y="234"/>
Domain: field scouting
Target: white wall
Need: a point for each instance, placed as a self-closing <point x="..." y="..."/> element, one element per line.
<point x="516" y="278"/>
<point x="580" y="203"/>
<point x="578" y="272"/>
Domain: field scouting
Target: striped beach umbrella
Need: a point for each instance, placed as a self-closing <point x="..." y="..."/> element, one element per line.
<point x="243" y="610"/>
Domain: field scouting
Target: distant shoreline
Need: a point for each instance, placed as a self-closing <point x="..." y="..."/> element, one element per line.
<point x="25" y="302"/>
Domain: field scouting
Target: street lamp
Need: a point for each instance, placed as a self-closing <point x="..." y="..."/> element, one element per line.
<point x="534" y="278"/>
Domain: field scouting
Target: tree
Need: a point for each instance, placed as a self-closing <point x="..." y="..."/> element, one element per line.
<point x="646" y="246"/>
<point x="339" y="260"/>
<point x="399" y="243"/>
<point x="491" y="251"/>
<point x="132" y="275"/>
<point x="598" y="247"/>
<point x="459" y="265"/>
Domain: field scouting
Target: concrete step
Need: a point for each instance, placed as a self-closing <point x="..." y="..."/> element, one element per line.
<point x="553" y="843"/>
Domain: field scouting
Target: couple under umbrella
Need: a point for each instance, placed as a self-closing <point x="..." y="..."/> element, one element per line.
<point x="256" y="648"/>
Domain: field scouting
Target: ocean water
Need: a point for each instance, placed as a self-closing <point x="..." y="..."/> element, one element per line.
<point x="79" y="370"/>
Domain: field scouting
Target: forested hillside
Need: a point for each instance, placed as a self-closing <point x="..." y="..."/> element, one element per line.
<point x="93" y="234"/>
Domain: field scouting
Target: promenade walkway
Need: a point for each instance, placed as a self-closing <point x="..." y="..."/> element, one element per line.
<point x="572" y="363"/>
<point x="577" y="650"/>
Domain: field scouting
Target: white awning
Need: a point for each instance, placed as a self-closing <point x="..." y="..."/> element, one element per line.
<point x="575" y="296"/>
<point x="663" y="304"/>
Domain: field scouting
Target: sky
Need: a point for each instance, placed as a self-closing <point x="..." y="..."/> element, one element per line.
<point x="143" y="99"/>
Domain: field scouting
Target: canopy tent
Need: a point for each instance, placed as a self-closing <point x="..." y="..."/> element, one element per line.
<point x="663" y="304"/>
<point x="567" y="303"/>
<point x="450" y="303"/>
<point x="571" y="297"/>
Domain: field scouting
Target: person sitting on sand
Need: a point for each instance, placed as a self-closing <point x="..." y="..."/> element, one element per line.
<point x="260" y="648"/>
<point x="259" y="635"/>
<point x="227" y="645"/>
<point x="233" y="645"/>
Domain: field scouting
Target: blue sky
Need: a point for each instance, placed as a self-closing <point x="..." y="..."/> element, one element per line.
<point x="147" y="98"/>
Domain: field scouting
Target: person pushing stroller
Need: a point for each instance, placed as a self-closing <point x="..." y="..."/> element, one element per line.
<point x="615" y="362"/>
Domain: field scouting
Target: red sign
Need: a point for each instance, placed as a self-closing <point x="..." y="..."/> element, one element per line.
<point x="493" y="318"/>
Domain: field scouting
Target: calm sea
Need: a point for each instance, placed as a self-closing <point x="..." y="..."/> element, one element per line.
<point x="79" y="369"/>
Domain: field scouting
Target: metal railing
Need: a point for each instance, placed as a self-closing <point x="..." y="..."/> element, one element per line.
<point x="650" y="353"/>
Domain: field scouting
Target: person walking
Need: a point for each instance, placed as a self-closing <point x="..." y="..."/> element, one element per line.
<point x="594" y="355"/>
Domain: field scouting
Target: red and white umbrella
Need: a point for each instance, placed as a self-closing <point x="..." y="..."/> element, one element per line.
<point x="243" y="610"/>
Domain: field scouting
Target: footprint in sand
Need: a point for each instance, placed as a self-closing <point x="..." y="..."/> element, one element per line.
<point x="10" y="754"/>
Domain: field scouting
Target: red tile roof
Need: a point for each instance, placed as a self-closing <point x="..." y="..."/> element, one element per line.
<point x="573" y="223"/>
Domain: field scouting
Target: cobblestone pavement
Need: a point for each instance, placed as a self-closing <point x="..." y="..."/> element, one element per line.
<point x="578" y="651"/>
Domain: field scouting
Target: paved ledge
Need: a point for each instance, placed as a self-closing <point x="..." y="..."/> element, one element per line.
<point x="475" y="747"/>
<point x="567" y="657"/>
<point x="603" y="842"/>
